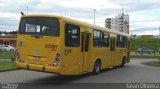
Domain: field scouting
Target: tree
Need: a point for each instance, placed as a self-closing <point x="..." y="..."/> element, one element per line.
<point x="13" y="32"/>
<point x="134" y="35"/>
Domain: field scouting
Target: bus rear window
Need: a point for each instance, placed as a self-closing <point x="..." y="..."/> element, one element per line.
<point x="40" y="26"/>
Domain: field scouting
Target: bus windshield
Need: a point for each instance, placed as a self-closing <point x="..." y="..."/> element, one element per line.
<point x="40" y="26"/>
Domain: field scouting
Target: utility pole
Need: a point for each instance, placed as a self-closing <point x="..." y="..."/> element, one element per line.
<point x="27" y="9"/>
<point x="94" y="10"/>
<point x="65" y="12"/>
<point x="27" y="6"/>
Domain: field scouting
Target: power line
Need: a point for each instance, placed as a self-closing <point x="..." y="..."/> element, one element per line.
<point x="138" y="21"/>
<point x="144" y="20"/>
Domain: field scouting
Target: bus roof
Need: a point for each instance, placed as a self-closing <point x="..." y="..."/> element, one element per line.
<point x="76" y="22"/>
<point x="41" y="15"/>
<point x="94" y="26"/>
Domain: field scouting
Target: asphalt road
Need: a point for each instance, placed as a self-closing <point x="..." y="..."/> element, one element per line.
<point x="134" y="72"/>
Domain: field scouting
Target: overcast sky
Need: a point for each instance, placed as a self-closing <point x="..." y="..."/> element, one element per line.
<point x="144" y="14"/>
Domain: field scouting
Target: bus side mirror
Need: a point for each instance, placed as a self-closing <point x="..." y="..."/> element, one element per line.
<point x="22" y="13"/>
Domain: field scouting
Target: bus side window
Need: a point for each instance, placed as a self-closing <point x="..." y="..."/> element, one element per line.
<point x="72" y="35"/>
<point x="105" y="39"/>
<point x="121" y="41"/>
<point x="100" y="39"/>
<point x="125" y="41"/>
<point x="96" y="38"/>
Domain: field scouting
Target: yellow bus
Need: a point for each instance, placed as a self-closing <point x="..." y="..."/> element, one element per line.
<point x="61" y="45"/>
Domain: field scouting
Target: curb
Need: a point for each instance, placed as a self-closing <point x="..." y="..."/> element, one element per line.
<point x="146" y="63"/>
<point x="7" y="70"/>
<point x="5" y="59"/>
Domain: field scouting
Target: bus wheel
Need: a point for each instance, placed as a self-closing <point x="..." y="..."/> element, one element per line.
<point x="123" y="62"/>
<point x="97" y="67"/>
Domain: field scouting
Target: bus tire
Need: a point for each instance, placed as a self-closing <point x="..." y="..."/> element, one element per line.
<point x="97" y="67"/>
<point x="123" y="62"/>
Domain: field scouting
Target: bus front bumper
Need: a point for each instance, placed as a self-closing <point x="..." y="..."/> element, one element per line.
<point x="36" y="67"/>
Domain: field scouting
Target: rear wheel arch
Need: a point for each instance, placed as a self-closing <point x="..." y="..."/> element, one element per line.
<point x="99" y="60"/>
<point x="97" y="66"/>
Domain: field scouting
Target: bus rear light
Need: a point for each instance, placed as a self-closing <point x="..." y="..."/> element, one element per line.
<point x="57" y="59"/>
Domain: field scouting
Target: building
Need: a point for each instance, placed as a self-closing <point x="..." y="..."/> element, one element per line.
<point x="8" y="41"/>
<point x="120" y="22"/>
<point x="111" y="23"/>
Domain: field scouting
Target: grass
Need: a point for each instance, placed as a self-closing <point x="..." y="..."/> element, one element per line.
<point x="152" y="43"/>
<point x="7" y="65"/>
<point x="144" y="56"/>
<point x="7" y="55"/>
<point x="154" y="63"/>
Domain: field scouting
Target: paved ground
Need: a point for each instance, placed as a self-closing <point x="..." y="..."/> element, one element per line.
<point x="132" y="72"/>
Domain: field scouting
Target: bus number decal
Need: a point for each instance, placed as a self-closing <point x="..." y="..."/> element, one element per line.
<point x="52" y="47"/>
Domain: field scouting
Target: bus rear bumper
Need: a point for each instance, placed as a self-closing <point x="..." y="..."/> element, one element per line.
<point x="36" y="67"/>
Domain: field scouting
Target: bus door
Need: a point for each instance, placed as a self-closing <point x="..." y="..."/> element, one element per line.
<point x="84" y="50"/>
<point x="112" y="51"/>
